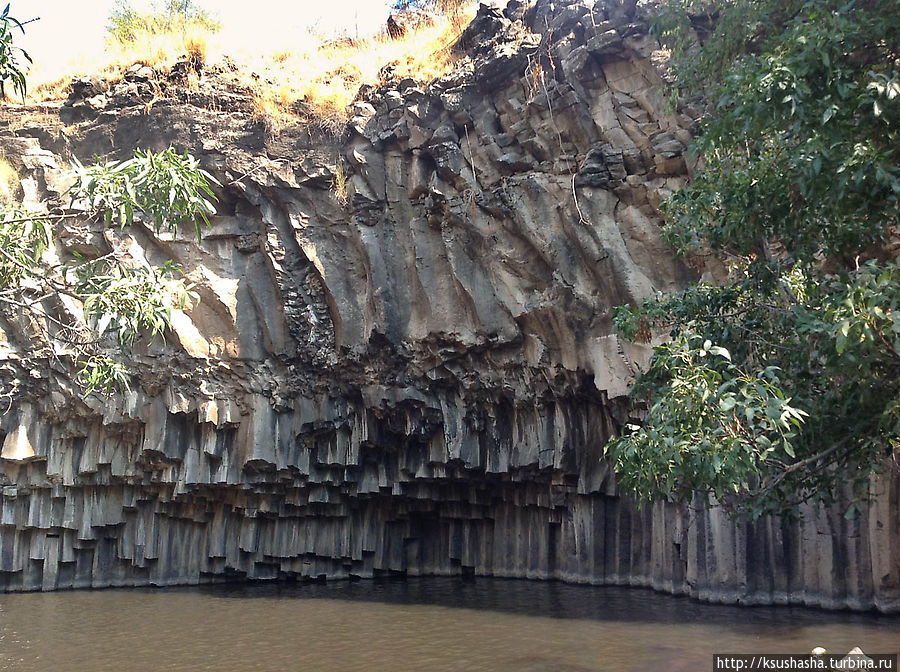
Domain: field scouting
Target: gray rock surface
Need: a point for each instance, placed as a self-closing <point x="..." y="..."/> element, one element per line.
<point x="418" y="381"/>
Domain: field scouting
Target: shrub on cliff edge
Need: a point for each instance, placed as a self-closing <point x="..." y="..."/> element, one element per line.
<point x="127" y="24"/>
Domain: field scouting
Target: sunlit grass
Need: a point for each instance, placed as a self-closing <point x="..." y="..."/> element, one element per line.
<point x="324" y="74"/>
<point x="49" y="79"/>
<point x="9" y="181"/>
<point x="328" y="75"/>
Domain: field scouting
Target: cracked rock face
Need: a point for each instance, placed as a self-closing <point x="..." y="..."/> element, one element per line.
<point x="418" y="378"/>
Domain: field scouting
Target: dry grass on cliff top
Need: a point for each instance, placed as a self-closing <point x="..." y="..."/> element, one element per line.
<point x="9" y="181"/>
<point x="324" y="74"/>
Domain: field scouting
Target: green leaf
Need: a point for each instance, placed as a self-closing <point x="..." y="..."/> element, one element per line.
<point x="104" y="322"/>
<point x="722" y="352"/>
<point x="840" y="343"/>
<point x="727" y="403"/>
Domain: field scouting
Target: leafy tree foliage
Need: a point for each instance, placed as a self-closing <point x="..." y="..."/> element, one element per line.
<point x="781" y="383"/>
<point x="167" y="187"/>
<point x="10" y="68"/>
<point x="116" y="298"/>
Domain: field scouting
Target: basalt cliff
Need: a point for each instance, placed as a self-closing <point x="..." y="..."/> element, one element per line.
<point x="402" y="359"/>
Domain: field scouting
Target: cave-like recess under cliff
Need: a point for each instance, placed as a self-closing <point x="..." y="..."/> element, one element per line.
<point x="418" y="380"/>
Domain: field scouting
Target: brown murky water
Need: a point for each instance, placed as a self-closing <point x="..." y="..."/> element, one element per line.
<point x="417" y="625"/>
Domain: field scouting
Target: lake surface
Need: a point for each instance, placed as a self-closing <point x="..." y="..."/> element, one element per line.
<point x="432" y="624"/>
